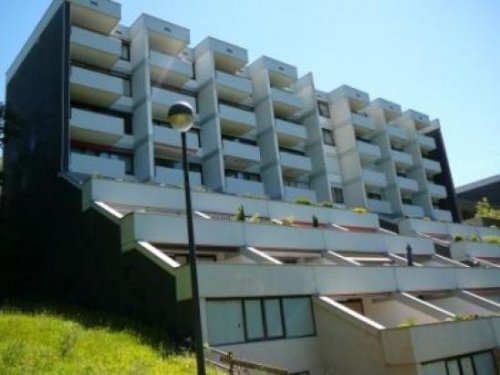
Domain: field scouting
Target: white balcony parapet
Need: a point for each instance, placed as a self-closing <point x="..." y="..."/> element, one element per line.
<point x="380" y="206"/>
<point x="240" y="186"/>
<point x="162" y="100"/>
<point x="285" y="102"/>
<point x="374" y="178"/>
<point x="464" y="249"/>
<point x="94" y="87"/>
<point x="94" y="48"/>
<point x="436" y="190"/>
<point x="236" y="117"/>
<point x="426" y="143"/>
<point x="164" y="136"/>
<point x="289" y="134"/>
<point x="412" y="210"/>
<point x="242" y="151"/>
<point x="230" y="86"/>
<point x="292" y="192"/>
<point x="403" y="159"/>
<point x="99" y="15"/>
<point x="431" y="166"/>
<point x="292" y="161"/>
<point x="349" y="92"/>
<point x="93" y="127"/>
<point x="174" y="176"/>
<point x="170" y="69"/>
<point x="407" y="184"/>
<point x="95" y="165"/>
<point x="164" y="36"/>
<point x="368" y="151"/>
<point x="442" y="215"/>
<point x="363" y="124"/>
<point x="227" y="56"/>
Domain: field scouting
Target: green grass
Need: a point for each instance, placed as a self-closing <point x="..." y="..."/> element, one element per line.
<point x="49" y="342"/>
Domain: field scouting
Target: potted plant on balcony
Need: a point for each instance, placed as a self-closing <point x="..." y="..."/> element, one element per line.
<point x="458" y="238"/>
<point x="360" y="210"/>
<point x="240" y="214"/>
<point x="302" y="200"/>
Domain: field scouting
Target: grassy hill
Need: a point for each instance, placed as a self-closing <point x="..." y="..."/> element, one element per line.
<point x="37" y="341"/>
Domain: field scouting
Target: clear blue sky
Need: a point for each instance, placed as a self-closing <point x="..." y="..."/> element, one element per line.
<point x="440" y="57"/>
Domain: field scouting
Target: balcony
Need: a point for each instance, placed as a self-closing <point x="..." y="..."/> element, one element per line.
<point x="228" y="57"/>
<point x="402" y="159"/>
<point x="169" y="69"/>
<point x="398" y="136"/>
<point x="374" y="178"/>
<point x="368" y="152"/>
<point x="96" y="128"/>
<point x="411" y="210"/>
<point x="438" y="191"/>
<point x="101" y="16"/>
<point x="426" y="143"/>
<point x="232" y="88"/>
<point x="431" y="167"/>
<point x="285" y="103"/>
<point x="294" y="165"/>
<point x="235" y="121"/>
<point x="379" y="206"/>
<point x="280" y="74"/>
<point x="442" y="215"/>
<point x="91" y="87"/>
<point x="162" y="100"/>
<point x="95" y="165"/>
<point x="240" y="156"/>
<point x="240" y="186"/>
<point x="351" y="93"/>
<point x="363" y="125"/>
<point x="464" y="249"/>
<point x="430" y="342"/>
<point x="172" y="176"/>
<point x="292" y="192"/>
<point x="420" y="119"/>
<point x="289" y="134"/>
<point x="93" y="48"/>
<point x="164" y="36"/>
<point x="407" y="184"/>
<point x="167" y="141"/>
<point x="391" y="110"/>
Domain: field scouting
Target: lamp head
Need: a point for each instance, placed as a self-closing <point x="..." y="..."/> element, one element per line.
<point x="181" y="116"/>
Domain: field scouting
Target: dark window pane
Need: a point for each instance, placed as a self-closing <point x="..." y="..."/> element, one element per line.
<point x="253" y="320"/>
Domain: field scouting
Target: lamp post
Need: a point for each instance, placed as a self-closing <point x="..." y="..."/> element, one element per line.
<point x="181" y="117"/>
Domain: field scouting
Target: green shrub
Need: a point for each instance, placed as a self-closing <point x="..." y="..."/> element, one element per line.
<point x="315" y="221"/>
<point x="459" y="317"/>
<point x="458" y="238"/>
<point x="302" y="200"/>
<point x="484" y="209"/>
<point x="255" y="219"/>
<point x="492" y="239"/>
<point x="474" y="238"/>
<point x="240" y="214"/>
<point x="326" y="204"/>
<point x="360" y="210"/>
<point x="409" y="322"/>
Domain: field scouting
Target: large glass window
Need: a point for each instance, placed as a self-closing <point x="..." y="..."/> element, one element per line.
<point x="324" y="109"/>
<point x="338" y="195"/>
<point x="240" y="320"/>
<point x="436" y="368"/>
<point x="298" y="317"/>
<point x="472" y="364"/>
<point x="253" y="319"/>
<point x="274" y="324"/>
<point x="225" y="322"/>
<point x="484" y="364"/>
<point x="328" y="138"/>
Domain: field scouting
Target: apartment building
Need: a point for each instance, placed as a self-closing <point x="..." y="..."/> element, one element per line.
<point x="336" y="188"/>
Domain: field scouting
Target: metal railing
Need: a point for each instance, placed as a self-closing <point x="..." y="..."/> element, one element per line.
<point x="227" y="361"/>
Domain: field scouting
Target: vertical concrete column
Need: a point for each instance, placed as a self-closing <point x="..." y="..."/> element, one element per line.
<point x="314" y="146"/>
<point x="142" y="109"/>
<point x="392" y="192"/>
<point x="350" y="162"/>
<point x="266" y="135"/>
<point x="210" y="132"/>
<point x="417" y="172"/>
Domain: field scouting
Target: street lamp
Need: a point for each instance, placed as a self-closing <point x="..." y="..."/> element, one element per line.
<point x="181" y="117"/>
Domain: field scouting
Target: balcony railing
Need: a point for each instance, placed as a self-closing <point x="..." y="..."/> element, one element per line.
<point x="169" y="69"/>
<point x="95" y="165"/>
<point x="93" y="127"/>
<point x="374" y="178"/>
<point x="174" y="176"/>
<point x="240" y="186"/>
<point x="407" y="184"/>
<point x="94" y="48"/>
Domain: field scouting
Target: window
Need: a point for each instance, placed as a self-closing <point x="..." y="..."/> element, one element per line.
<point x="125" y="54"/>
<point x="471" y="364"/>
<point x="324" y="109"/>
<point x="407" y="200"/>
<point x="127" y="87"/>
<point x="338" y="195"/>
<point x="256" y="319"/>
<point x="225" y="322"/>
<point x="298" y="317"/>
<point x="376" y="196"/>
<point x="328" y="138"/>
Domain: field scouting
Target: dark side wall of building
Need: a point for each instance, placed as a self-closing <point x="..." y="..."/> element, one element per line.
<point x="66" y="254"/>
<point x="445" y="178"/>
